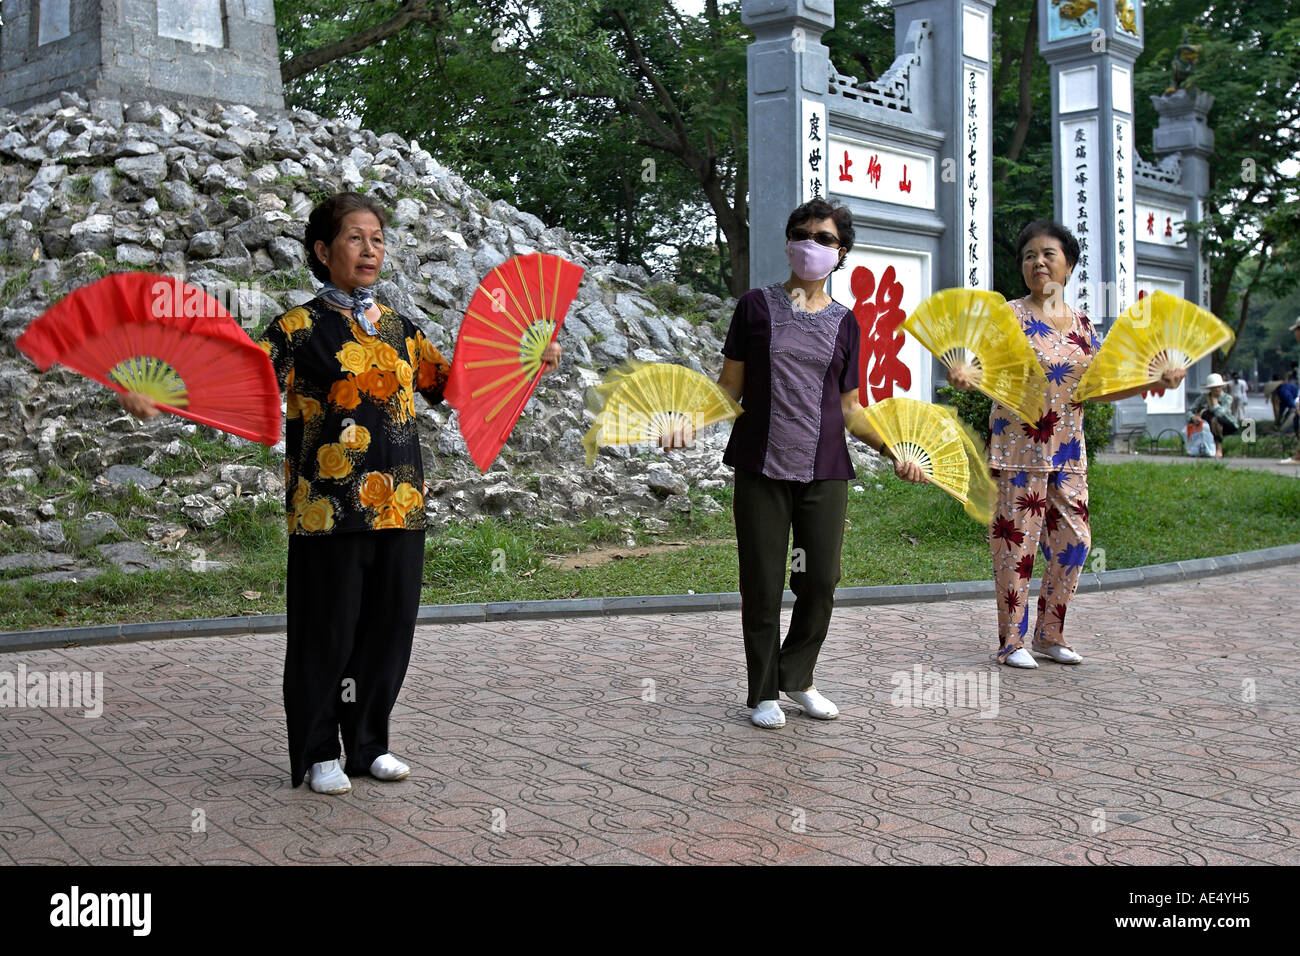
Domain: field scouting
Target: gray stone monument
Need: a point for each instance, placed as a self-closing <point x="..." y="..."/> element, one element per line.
<point x="909" y="154"/>
<point x="220" y="50"/>
<point x="1091" y="49"/>
<point x="1169" y="195"/>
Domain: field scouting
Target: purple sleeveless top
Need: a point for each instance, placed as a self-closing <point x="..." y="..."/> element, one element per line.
<point x="797" y="364"/>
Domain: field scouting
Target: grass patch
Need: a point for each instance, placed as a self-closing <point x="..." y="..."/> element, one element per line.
<point x="895" y="534"/>
<point x="14" y="284"/>
<point x="285" y="280"/>
<point x="79" y="188"/>
<point x="669" y="300"/>
<point x="204" y="449"/>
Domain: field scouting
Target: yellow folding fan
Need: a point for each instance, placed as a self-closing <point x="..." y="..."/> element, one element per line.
<point x="1155" y="334"/>
<point x="640" y="402"/>
<point x="949" y="452"/>
<point x="978" y="329"/>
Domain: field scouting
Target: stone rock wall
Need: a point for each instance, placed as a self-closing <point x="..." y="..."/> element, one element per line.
<point x="219" y="196"/>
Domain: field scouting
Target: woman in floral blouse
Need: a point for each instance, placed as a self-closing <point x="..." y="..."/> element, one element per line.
<point x="1041" y="469"/>
<point x="354" y="496"/>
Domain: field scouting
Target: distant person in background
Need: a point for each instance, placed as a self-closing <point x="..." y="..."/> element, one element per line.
<point x="1211" y="408"/>
<point x="1237" y="391"/>
<point x="1285" y="411"/>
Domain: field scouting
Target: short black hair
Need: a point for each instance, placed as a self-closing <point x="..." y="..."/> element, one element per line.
<point x="326" y="219"/>
<point x="821" y="209"/>
<point x="1046" y="227"/>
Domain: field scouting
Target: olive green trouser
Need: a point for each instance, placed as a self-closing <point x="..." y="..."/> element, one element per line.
<point x="766" y="510"/>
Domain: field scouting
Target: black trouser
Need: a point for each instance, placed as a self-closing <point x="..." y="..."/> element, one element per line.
<point x="766" y="510"/>
<point x="1219" y="427"/>
<point x="351" y="601"/>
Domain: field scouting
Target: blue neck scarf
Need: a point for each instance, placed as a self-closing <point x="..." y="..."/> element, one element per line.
<point x="357" y="302"/>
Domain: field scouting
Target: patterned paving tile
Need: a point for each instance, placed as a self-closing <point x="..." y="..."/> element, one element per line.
<point x="625" y="741"/>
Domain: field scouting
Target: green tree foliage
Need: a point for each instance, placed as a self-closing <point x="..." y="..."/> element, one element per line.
<point x="625" y="122"/>
<point x="622" y="122"/>
<point x="1250" y="62"/>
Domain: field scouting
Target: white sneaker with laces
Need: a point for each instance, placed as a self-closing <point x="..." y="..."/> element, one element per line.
<point x="767" y="714"/>
<point x="328" y="777"/>
<point x="814" y="704"/>
<point x="1020" y="658"/>
<point x="388" y="767"/>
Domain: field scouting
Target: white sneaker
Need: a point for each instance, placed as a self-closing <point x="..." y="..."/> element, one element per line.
<point x="328" y="777"/>
<point x="1020" y="658"/>
<point x="767" y="714"/>
<point x="814" y="704"/>
<point x="1060" y="653"/>
<point x="388" y="767"/>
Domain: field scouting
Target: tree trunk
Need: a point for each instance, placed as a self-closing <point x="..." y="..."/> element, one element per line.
<point x="412" y="11"/>
<point x="1027" y="58"/>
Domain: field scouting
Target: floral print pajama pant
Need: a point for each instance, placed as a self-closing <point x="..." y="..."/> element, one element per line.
<point x="1037" y="510"/>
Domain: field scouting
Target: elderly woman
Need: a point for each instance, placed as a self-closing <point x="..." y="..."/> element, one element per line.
<point x="791" y="359"/>
<point x="1212" y="408"/>
<point x="354" y="496"/>
<point x="1041" y="470"/>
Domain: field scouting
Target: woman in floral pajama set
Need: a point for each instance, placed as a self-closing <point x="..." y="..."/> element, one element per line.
<point x="1041" y="469"/>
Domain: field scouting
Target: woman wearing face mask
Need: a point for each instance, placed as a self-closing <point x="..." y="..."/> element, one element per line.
<point x="791" y="359"/>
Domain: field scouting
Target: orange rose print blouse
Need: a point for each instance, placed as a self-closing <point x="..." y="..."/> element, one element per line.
<point x="1055" y="441"/>
<point x="352" y="454"/>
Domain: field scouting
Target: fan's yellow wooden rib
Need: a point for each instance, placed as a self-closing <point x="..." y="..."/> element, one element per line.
<point x="524" y="315"/>
<point x="482" y="389"/>
<point x="492" y="325"/>
<point x="523" y="380"/>
<point x="503" y="346"/>
<point x="1155" y="334"/>
<point x="979" y="329"/>
<point x="640" y="402"/>
<point x="519" y="268"/>
<point x="485" y="363"/>
<point x="948" y="452"/>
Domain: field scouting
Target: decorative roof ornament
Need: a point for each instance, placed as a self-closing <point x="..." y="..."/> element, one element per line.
<point x="1183" y="65"/>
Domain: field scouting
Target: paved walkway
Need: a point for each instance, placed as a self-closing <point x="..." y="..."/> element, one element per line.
<point x="1241" y="464"/>
<point x="624" y="740"/>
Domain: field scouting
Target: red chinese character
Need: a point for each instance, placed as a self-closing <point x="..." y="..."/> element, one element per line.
<point x="878" y="363"/>
<point x="1151" y="224"/>
<point x="845" y="175"/>
<point x="1169" y="226"/>
<point x="905" y="184"/>
<point x="873" y="171"/>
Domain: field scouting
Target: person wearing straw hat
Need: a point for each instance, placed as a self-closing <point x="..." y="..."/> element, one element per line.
<point x="1212" y="408"/>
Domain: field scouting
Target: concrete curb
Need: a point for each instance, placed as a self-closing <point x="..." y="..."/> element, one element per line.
<point x="652" y="603"/>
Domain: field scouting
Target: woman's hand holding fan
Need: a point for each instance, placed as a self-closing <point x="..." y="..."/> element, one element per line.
<point x="168" y="345"/>
<point x="978" y="337"/>
<point x="659" y="402"/>
<point x="932" y="439"/>
<point x="1149" y="345"/>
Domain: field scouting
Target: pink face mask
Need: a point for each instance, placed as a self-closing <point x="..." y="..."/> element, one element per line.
<point x="811" y="260"/>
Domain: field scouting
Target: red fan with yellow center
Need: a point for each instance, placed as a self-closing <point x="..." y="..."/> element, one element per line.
<point x="139" y="332"/>
<point x="515" y="313"/>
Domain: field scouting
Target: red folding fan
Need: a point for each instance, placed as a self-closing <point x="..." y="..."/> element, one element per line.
<point x="139" y="332"/>
<point x="515" y="313"/>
